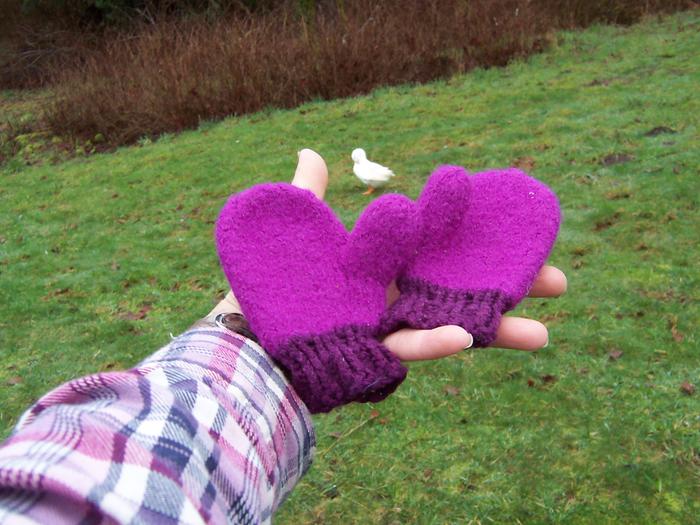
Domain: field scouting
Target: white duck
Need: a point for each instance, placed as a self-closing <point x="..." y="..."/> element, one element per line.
<point x="370" y="173"/>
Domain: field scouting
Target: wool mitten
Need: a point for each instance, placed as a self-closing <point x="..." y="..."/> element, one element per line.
<point x="315" y="294"/>
<point x="484" y="239"/>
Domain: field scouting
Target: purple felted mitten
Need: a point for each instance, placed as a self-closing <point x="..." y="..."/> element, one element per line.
<point x="313" y="293"/>
<point x="485" y="238"/>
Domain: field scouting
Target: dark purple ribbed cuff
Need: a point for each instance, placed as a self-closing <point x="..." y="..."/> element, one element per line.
<point x="339" y="367"/>
<point x="424" y="306"/>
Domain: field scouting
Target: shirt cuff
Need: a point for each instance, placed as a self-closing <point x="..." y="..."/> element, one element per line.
<point x="205" y="427"/>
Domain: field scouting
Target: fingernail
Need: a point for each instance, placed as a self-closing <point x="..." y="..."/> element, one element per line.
<point x="471" y="341"/>
<point x="546" y="344"/>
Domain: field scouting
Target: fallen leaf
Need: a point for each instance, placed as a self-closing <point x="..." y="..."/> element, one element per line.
<point x="615" y="158"/>
<point x="451" y="390"/>
<point x="687" y="388"/>
<point x="659" y="130"/>
<point x="336" y="435"/>
<point x="14" y="380"/>
<point x="607" y="222"/>
<point x="615" y="354"/>
<point x="665" y="295"/>
<point x="548" y="378"/>
<point x="137" y="316"/>
<point x="331" y="492"/>
<point x="513" y="374"/>
<point x="195" y="285"/>
<point x="531" y="383"/>
<point x="525" y="163"/>
<point x="598" y="82"/>
<point x="373" y="414"/>
<point x="58" y="292"/>
<point x="115" y="266"/>
<point x="617" y="195"/>
<point x="675" y="333"/>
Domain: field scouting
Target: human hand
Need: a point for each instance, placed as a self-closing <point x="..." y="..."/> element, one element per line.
<point x="517" y="333"/>
<point x="410" y="344"/>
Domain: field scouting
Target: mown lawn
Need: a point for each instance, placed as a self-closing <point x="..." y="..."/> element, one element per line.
<point x="102" y="258"/>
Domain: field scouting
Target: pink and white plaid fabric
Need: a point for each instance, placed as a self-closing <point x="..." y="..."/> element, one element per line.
<point x="207" y="430"/>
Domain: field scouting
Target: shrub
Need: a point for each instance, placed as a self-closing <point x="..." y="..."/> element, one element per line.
<point x="170" y="72"/>
<point x="581" y="13"/>
<point x="172" y="75"/>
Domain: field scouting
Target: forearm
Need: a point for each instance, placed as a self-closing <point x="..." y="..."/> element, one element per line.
<point x="205" y="430"/>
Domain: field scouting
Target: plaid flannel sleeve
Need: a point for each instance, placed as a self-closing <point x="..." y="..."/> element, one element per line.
<point x="206" y="430"/>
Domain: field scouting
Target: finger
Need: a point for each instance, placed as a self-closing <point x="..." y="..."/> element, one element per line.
<point x="417" y="345"/>
<point x="392" y="293"/>
<point x="229" y="304"/>
<point x="550" y="282"/>
<point x="521" y="334"/>
<point x="311" y="173"/>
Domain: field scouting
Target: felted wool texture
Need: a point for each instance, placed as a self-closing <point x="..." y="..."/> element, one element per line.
<point x="485" y="238"/>
<point x="313" y="293"/>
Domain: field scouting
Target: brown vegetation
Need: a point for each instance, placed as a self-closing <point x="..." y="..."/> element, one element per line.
<point x="170" y="75"/>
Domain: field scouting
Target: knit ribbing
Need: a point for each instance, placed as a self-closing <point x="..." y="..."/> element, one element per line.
<point x="345" y="365"/>
<point x="424" y="305"/>
<point x="484" y="239"/>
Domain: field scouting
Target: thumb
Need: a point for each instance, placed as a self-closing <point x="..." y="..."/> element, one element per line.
<point x="311" y="173"/>
<point x="384" y="239"/>
<point x="418" y="345"/>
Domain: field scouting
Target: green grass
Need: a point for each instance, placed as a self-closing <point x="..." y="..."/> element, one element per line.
<point x="85" y="243"/>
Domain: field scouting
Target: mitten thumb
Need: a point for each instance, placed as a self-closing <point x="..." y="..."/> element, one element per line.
<point x="443" y="203"/>
<point x="384" y="239"/>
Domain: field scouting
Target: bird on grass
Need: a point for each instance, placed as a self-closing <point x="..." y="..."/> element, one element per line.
<point x="371" y="174"/>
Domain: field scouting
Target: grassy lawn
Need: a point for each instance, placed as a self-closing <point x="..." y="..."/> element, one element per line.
<point x="102" y="258"/>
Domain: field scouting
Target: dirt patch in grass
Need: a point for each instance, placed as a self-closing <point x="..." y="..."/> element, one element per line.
<point x="607" y="222"/>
